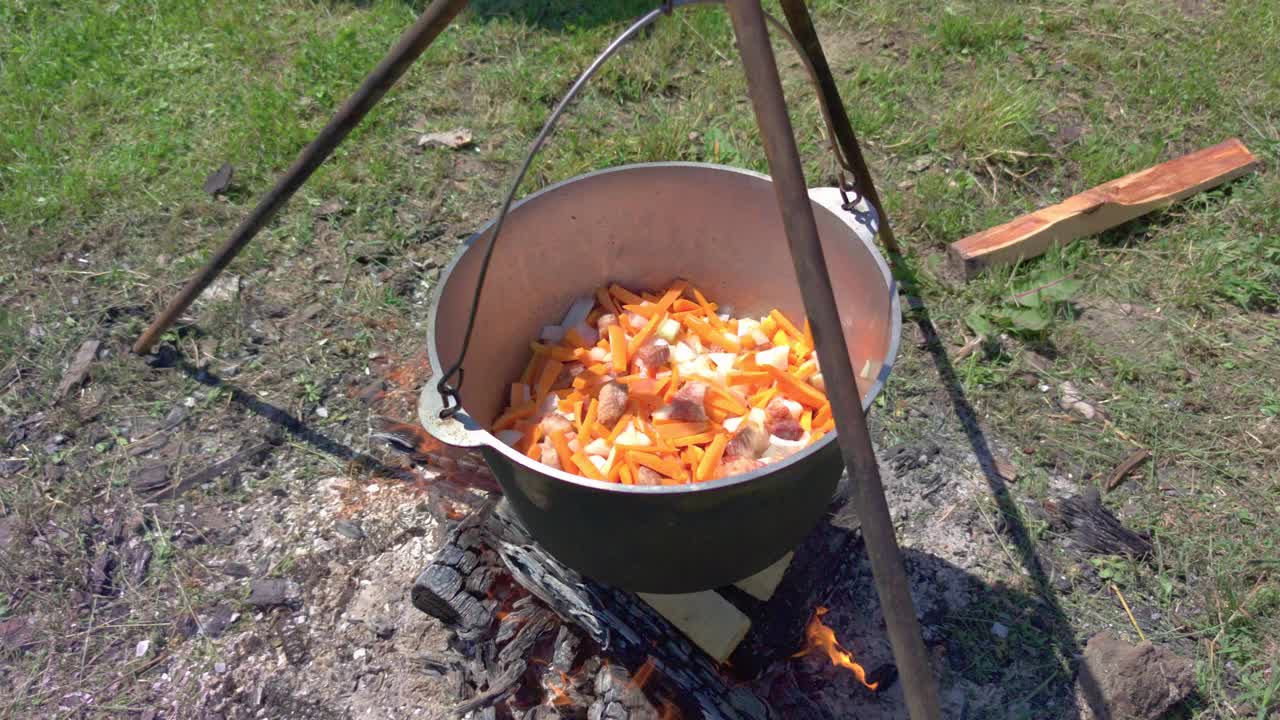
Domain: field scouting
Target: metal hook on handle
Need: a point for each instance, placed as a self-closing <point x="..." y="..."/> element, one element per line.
<point x="450" y="393"/>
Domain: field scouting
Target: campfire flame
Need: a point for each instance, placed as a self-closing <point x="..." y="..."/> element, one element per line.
<point x="821" y="637"/>
<point x="558" y="697"/>
<point x="642" y="675"/>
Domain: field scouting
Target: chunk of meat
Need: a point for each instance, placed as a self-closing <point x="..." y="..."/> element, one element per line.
<point x="648" y="476"/>
<point x="612" y="403"/>
<point x="689" y="403"/>
<point x="750" y="441"/>
<point x="778" y="421"/>
<point x="549" y="456"/>
<point x="737" y="466"/>
<point x="604" y="321"/>
<point x="553" y="422"/>
<point x="652" y="357"/>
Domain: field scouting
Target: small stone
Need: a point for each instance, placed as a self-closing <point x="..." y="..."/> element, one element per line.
<point x="220" y="667"/>
<point x="189" y="402"/>
<point x="920" y="164"/>
<point x="349" y="529"/>
<point x="373" y="489"/>
<point x="1141" y="681"/>
<point x="1000" y="630"/>
<point x="271" y="592"/>
<point x="236" y="570"/>
<point x="359" y="654"/>
<point x="142" y="648"/>
<point x="322" y="411"/>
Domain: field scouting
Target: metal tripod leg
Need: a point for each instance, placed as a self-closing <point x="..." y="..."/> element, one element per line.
<point x="846" y="403"/>
<point x="412" y="43"/>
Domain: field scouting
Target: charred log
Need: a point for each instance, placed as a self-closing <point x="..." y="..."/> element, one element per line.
<point x="1094" y="529"/>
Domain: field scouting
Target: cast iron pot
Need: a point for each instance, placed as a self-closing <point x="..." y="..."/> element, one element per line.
<point x="643" y="226"/>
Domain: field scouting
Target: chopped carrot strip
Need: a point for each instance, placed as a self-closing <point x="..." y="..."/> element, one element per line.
<point x="749" y="377"/>
<point x="574" y="338"/>
<point x="711" y="459"/>
<point x="624" y="474"/>
<point x="561" y="445"/>
<point x="644" y="309"/>
<point x="531" y="370"/>
<point x="798" y="390"/>
<point x="618" y="346"/>
<point x="624" y="294"/>
<point x="606" y="302"/>
<point x="781" y="338"/>
<point x="649" y="297"/>
<point x="510" y="417"/>
<point x="725" y="399"/>
<point x="674" y="385"/>
<point x="535" y="437"/>
<point x="588" y="424"/>
<point x="785" y="324"/>
<point x="718" y="414"/>
<point x="618" y="427"/>
<point x="682" y="305"/>
<point x="680" y="429"/>
<point x="827" y="426"/>
<point x="806" y="420"/>
<point x="817" y="435"/>
<point x="806" y="370"/>
<point x="638" y="339"/>
<point x="808" y="334"/>
<point x="688" y="440"/>
<point x="708" y="309"/>
<point x="550" y="371"/>
<point x="587" y="467"/>
<point x="667" y="467"/>
<point x="761" y="398"/>
<point x="823" y="415"/>
<point x="712" y="335"/>
<point x="769" y="326"/>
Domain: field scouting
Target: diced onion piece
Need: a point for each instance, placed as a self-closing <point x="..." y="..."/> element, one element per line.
<point x="578" y="311"/>
<point x="510" y="437"/>
<point x="598" y="354"/>
<point x="599" y="446"/>
<point x="724" y="361"/>
<point x="551" y="333"/>
<point x="682" y="353"/>
<point x="669" y="329"/>
<point x="600" y="463"/>
<point x="817" y="381"/>
<point x="632" y="436"/>
<point x="779" y="448"/>
<point x="745" y="326"/>
<point x="756" y="415"/>
<point x="662" y="413"/>
<point x="731" y="424"/>
<point x="590" y="336"/>
<point x="759" y="336"/>
<point x="776" y="356"/>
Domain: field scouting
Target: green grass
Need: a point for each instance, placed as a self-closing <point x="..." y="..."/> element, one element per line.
<point x="112" y="114"/>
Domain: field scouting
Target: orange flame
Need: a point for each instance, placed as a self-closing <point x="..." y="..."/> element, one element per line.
<point x="642" y="675"/>
<point x="558" y="697"/>
<point x="821" y="637"/>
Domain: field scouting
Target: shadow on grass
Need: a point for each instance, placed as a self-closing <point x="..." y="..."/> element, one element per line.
<point x="291" y="425"/>
<point x="554" y="15"/>
<point x="1059" y="629"/>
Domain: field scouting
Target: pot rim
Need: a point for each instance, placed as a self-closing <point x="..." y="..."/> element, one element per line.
<point x="464" y="431"/>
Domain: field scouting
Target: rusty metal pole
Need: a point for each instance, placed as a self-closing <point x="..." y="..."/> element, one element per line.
<point x="802" y="27"/>
<point x="434" y="19"/>
<point x="846" y="403"/>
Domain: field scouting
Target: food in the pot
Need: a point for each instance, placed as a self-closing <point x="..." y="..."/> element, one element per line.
<point x="665" y="389"/>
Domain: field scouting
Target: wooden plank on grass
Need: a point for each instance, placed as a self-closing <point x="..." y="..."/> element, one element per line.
<point x="1103" y="207"/>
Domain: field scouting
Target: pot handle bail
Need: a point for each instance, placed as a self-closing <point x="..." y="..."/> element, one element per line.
<point x="449" y="391"/>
